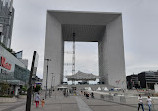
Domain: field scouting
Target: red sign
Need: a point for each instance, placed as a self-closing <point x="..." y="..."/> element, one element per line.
<point x="4" y="64"/>
<point x="34" y="85"/>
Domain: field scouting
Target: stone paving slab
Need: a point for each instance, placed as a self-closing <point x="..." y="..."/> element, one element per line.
<point x="55" y="103"/>
<point x="82" y="105"/>
<point x="11" y="106"/>
<point x="71" y="103"/>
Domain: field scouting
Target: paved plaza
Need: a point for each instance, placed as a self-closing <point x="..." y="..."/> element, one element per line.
<point x="70" y="103"/>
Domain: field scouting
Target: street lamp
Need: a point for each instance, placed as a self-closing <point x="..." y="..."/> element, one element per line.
<point x="51" y="82"/>
<point x="47" y="77"/>
<point x="54" y="87"/>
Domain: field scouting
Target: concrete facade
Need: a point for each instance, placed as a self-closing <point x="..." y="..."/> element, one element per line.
<point x="104" y="28"/>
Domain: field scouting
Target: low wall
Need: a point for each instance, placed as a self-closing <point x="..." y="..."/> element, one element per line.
<point x="118" y="99"/>
<point x="22" y="96"/>
<point x="7" y="100"/>
<point x="121" y="99"/>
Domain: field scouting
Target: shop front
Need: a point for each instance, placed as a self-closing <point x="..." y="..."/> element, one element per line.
<point x="13" y="74"/>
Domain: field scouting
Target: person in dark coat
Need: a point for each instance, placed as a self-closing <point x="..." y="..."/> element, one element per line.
<point x="87" y="95"/>
<point x="92" y="95"/>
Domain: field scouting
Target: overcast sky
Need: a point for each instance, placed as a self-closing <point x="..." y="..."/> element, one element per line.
<point x="140" y="21"/>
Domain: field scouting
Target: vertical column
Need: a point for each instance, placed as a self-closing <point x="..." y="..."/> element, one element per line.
<point x="113" y="54"/>
<point x="102" y="69"/>
<point x="54" y="47"/>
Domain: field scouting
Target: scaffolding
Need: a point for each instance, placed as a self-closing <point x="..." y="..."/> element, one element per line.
<point x="73" y="55"/>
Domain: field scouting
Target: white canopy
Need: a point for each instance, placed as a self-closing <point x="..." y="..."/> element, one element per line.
<point x="82" y="76"/>
<point x="99" y="89"/>
<point x="88" y="88"/>
<point x="62" y="87"/>
<point x="106" y="89"/>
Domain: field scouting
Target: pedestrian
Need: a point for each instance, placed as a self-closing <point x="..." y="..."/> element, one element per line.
<point x="84" y="93"/>
<point x="81" y="92"/>
<point x="42" y="103"/>
<point x="87" y="95"/>
<point x="64" y="93"/>
<point x="149" y="102"/>
<point x="37" y="99"/>
<point x="67" y="92"/>
<point x="140" y="103"/>
<point x="92" y="95"/>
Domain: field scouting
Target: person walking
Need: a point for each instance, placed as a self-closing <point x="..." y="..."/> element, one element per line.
<point x="84" y="93"/>
<point x="92" y="95"/>
<point x="42" y="103"/>
<point x="64" y="92"/>
<point x="140" y="103"/>
<point x="67" y="92"/>
<point x="87" y="95"/>
<point x="149" y="102"/>
<point x="37" y="99"/>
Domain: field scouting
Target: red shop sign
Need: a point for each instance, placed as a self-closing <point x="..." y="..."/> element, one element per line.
<point x="4" y="64"/>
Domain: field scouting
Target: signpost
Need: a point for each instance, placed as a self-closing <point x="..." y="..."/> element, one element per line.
<point x="32" y="74"/>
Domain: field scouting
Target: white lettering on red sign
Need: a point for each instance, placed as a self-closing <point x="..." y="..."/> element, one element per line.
<point x="4" y="64"/>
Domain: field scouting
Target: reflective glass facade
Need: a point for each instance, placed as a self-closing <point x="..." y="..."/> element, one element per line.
<point x="21" y="74"/>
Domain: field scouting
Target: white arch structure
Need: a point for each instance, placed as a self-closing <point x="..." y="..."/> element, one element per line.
<point x="102" y="27"/>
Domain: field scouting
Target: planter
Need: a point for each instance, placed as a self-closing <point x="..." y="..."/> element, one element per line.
<point x="7" y="99"/>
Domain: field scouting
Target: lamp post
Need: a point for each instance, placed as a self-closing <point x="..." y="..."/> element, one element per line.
<point x="54" y="87"/>
<point x="47" y="77"/>
<point x="51" y="82"/>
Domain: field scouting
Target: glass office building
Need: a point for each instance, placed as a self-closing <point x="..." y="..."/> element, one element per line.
<point x="6" y="22"/>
